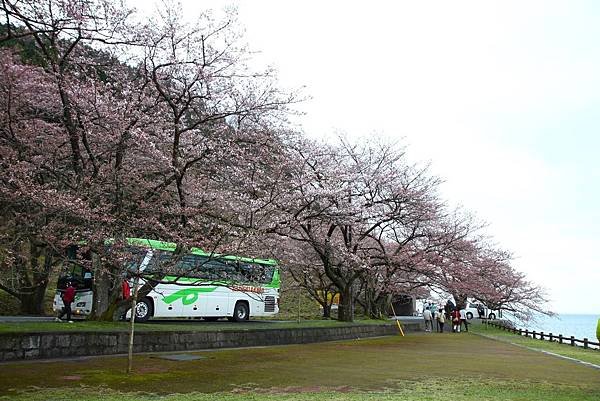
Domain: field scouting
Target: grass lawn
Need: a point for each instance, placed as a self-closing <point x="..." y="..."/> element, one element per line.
<point x="587" y="355"/>
<point x="173" y="325"/>
<point x="416" y="367"/>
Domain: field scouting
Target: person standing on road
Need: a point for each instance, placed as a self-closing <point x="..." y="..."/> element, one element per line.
<point x="455" y="321"/>
<point x="441" y="320"/>
<point x="433" y="308"/>
<point x="463" y="319"/>
<point x="480" y="311"/>
<point x="449" y="308"/>
<point x="427" y="316"/>
<point x="67" y="297"/>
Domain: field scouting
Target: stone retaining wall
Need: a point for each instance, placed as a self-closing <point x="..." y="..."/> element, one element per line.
<point x="24" y="346"/>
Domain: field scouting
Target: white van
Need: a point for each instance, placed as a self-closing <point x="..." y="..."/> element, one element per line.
<point x="477" y="309"/>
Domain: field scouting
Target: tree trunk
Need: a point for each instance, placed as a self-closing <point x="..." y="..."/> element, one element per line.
<point x="32" y="299"/>
<point x="461" y="301"/>
<point x="372" y="301"/>
<point x="326" y="310"/>
<point x="370" y="307"/>
<point x="346" y="307"/>
<point x="104" y="292"/>
<point x="382" y="306"/>
<point x="32" y="303"/>
<point x="132" y="325"/>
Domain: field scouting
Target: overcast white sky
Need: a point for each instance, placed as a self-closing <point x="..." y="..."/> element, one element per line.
<point x="503" y="98"/>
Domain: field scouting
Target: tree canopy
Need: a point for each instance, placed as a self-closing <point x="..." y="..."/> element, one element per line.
<point x="111" y="128"/>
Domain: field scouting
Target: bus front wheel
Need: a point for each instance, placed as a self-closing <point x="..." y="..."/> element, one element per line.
<point x="241" y="312"/>
<point x="492" y="316"/>
<point x="143" y="310"/>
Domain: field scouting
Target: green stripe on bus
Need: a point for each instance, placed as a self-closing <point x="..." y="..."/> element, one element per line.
<point x="188" y="296"/>
<point x="275" y="281"/>
<point x="195" y="281"/>
<point x="171" y="247"/>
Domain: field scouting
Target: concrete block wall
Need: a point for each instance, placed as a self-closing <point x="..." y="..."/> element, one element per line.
<point x="26" y="346"/>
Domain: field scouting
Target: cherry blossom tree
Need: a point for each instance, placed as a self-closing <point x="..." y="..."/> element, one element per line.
<point x="155" y="148"/>
<point x="110" y="129"/>
<point x="347" y="197"/>
<point x="218" y="118"/>
<point x="473" y="267"/>
<point x="500" y="286"/>
<point x="306" y="269"/>
<point x="66" y="105"/>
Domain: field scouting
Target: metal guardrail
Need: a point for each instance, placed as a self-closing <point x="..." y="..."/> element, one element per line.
<point x="585" y="343"/>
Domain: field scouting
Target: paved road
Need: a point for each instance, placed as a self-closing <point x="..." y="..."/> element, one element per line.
<point x="22" y="319"/>
<point x="447" y="325"/>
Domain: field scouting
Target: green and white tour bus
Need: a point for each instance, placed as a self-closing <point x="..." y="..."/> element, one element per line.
<point x="193" y="285"/>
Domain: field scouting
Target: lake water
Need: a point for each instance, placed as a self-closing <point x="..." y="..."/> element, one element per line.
<point x="578" y="326"/>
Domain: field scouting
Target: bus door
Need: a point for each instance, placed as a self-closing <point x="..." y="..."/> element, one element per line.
<point x="81" y="278"/>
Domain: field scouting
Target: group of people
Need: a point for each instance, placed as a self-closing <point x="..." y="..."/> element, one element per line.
<point x="438" y="316"/>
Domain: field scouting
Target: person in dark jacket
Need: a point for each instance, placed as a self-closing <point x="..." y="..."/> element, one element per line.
<point x="448" y="309"/>
<point x="67" y="297"/>
<point x="480" y="311"/>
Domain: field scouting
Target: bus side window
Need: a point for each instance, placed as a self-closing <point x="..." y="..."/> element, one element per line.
<point x="216" y="269"/>
<point x="87" y="279"/>
<point x="186" y="265"/>
<point x="251" y="273"/>
<point x="227" y="270"/>
<point x="203" y="268"/>
<point x="77" y="270"/>
<point x="157" y="264"/>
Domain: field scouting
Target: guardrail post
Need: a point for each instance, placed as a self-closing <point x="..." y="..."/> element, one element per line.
<point x="551" y="337"/>
<point x="560" y="338"/>
<point x="541" y="335"/>
<point x="534" y="334"/>
<point x="573" y="341"/>
<point x="520" y="332"/>
<point x="526" y="332"/>
<point x="585" y="343"/>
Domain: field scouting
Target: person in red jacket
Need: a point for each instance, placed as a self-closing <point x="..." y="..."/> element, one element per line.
<point x="455" y="321"/>
<point x="68" y="297"/>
